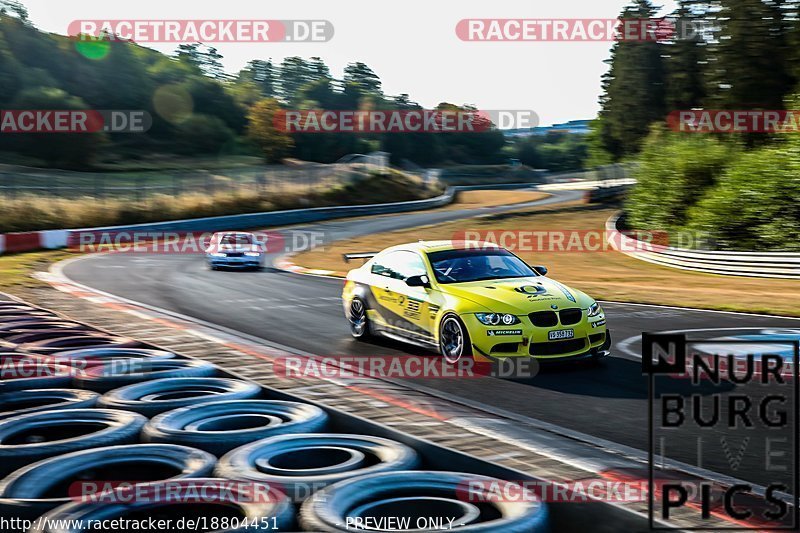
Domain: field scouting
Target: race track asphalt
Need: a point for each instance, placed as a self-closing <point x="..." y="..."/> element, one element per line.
<point x="608" y="401"/>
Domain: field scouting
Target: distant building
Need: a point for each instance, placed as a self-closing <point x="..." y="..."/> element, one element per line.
<point x="573" y="126"/>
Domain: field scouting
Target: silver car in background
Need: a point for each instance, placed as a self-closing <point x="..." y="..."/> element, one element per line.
<point x="235" y="249"/>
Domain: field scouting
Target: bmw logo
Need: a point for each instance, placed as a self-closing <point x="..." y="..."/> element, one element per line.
<point x="553" y="306"/>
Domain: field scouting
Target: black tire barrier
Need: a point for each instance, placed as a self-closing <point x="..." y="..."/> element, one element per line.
<point x="26" y="371"/>
<point x="24" y="402"/>
<point x="49" y="334"/>
<point x="219" y="427"/>
<point x="74" y="342"/>
<point x="423" y="500"/>
<point x="304" y="463"/>
<point x="113" y="359"/>
<point x="17" y="309"/>
<point x="27" y="317"/>
<point x="25" y="439"/>
<point x="16" y="328"/>
<point x="121" y="373"/>
<point x="153" y="397"/>
<point x="40" y="487"/>
<point x="263" y="506"/>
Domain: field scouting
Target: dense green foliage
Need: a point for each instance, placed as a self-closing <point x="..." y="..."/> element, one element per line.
<point x="197" y="108"/>
<point x="673" y="171"/>
<point x="755" y="204"/>
<point x="555" y="151"/>
<point x="737" y="191"/>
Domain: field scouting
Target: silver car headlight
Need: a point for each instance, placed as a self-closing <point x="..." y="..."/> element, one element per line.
<point x="594" y="309"/>
<point x="252" y="254"/>
<point x="217" y="254"/>
<point x="497" y="319"/>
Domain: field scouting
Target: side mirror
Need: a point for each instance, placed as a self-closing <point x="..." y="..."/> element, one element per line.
<point x="418" y="281"/>
<point x="541" y="269"/>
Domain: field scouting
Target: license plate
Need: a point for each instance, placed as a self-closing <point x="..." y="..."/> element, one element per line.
<point x="560" y="334"/>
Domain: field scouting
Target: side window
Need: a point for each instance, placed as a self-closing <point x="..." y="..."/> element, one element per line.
<point x="384" y="265"/>
<point x="412" y="265"/>
<point x="398" y="265"/>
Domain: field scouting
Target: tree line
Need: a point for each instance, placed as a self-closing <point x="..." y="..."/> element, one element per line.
<point x="198" y="108"/>
<point x="735" y="191"/>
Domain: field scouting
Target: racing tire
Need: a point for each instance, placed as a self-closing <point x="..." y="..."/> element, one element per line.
<point x="271" y="510"/>
<point x="29" y="438"/>
<point x="50" y="334"/>
<point x="360" y="328"/>
<point x="103" y="378"/>
<point x="155" y="397"/>
<point x="17" y="309"/>
<point x="28" y="401"/>
<point x="75" y="342"/>
<point x="17" y="328"/>
<point x="26" y="371"/>
<point x="423" y="495"/>
<point x="27" y="317"/>
<point x="219" y="427"/>
<point x="454" y="341"/>
<point x="89" y="357"/>
<point x="38" y="488"/>
<point x="305" y="462"/>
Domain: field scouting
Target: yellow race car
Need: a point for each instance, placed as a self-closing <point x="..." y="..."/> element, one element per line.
<point x="471" y="299"/>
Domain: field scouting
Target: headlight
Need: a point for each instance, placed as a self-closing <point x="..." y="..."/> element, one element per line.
<point x="594" y="309"/>
<point x="217" y="254"/>
<point x="252" y="254"/>
<point x="496" y="319"/>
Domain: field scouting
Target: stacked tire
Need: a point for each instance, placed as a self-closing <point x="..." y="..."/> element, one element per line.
<point x="94" y="426"/>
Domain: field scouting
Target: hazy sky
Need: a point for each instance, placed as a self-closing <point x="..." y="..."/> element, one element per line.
<point x="410" y="44"/>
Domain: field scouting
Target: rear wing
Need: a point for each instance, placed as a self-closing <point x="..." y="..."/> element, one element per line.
<point x="365" y="256"/>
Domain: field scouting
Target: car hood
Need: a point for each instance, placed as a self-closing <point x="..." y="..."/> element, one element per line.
<point x="518" y="295"/>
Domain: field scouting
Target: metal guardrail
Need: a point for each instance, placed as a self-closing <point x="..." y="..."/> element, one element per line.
<point x="587" y="185"/>
<point x="21" y="182"/>
<point x="751" y="264"/>
<point x="281" y="218"/>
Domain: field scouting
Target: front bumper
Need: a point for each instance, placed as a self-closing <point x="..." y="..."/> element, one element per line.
<point x="591" y="340"/>
<point x="235" y="262"/>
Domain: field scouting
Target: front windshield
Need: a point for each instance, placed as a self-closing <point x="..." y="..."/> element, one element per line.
<point x="236" y="238"/>
<point x="456" y="266"/>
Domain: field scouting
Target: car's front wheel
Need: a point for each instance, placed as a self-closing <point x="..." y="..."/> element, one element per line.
<point x="454" y="342"/>
<point x="359" y="322"/>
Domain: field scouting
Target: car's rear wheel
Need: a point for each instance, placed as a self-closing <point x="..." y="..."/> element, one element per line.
<point x="454" y="342"/>
<point x="359" y="322"/>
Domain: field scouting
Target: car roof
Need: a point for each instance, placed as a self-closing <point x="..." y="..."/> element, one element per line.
<point x="440" y="246"/>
